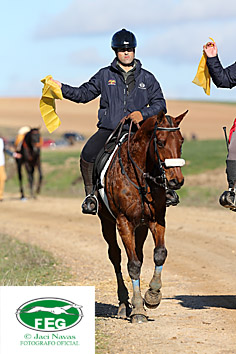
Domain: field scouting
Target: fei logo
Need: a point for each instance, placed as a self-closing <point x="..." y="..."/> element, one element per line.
<point x="49" y="314"/>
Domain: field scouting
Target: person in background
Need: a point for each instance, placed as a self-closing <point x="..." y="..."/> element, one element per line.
<point x="225" y="78"/>
<point x="20" y="137"/>
<point x="126" y="89"/>
<point x="3" y="175"/>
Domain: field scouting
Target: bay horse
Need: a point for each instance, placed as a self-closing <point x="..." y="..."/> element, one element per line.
<point x="135" y="185"/>
<point x="30" y="157"/>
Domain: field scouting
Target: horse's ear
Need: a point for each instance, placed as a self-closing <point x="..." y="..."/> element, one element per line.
<point x="180" y="117"/>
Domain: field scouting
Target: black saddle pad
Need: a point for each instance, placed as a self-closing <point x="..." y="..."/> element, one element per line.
<point x="103" y="156"/>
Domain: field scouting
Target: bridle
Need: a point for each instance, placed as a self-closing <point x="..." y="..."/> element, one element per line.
<point x="160" y="180"/>
<point x="162" y="176"/>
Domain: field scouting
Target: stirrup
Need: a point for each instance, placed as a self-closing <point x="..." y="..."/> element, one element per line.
<point x="172" y="198"/>
<point x="228" y="199"/>
<point x="90" y="205"/>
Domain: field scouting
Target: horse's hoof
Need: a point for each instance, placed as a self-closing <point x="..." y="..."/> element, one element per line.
<point x="122" y="311"/>
<point x="152" y="299"/>
<point x="139" y="319"/>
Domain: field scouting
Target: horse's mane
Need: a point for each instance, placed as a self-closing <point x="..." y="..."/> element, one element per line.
<point x="147" y="126"/>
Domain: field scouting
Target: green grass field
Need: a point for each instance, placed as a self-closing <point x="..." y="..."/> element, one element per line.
<point x="62" y="176"/>
<point x="23" y="264"/>
<point x="203" y="155"/>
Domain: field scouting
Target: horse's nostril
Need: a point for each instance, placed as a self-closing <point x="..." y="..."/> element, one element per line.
<point x="175" y="184"/>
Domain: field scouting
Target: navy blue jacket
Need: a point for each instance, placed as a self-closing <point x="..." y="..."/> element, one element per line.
<point x="108" y="82"/>
<point x="221" y="77"/>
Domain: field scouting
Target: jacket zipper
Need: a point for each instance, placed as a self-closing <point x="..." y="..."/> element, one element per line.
<point x="125" y="110"/>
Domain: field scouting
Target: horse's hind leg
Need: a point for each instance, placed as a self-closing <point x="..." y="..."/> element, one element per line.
<point x="114" y="253"/>
<point x="153" y="295"/>
<point x="40" y="179"/>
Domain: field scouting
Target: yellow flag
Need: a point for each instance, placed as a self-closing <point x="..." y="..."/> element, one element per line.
<point x="51" y="91"/>
<point x="202" y="77"/>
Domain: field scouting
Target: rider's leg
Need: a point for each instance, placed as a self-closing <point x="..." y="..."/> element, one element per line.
<point x="228" y="198"/>
<point x="88" y="156"/>
<point x="90" y="204"/>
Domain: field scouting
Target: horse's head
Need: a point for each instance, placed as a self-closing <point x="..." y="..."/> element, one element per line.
<point x="33" y="139"/>
<point x="168" y="142"/>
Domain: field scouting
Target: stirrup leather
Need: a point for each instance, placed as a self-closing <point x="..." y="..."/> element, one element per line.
<point x="90" y="204"/>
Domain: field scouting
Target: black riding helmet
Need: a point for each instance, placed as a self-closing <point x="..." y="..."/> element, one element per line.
<point x="123" y="39"/>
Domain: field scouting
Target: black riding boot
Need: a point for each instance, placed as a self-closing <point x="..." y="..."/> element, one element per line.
<point x="90" y="204"/>
<point x="228" y="198"/>
<point x="172" y="198"/>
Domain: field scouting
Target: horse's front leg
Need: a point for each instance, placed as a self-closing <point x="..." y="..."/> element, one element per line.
<point x="19" y="170"/>
<point x="114" y="252"/>
<point x="153" y="295"/>
<point x="126" y="230"/>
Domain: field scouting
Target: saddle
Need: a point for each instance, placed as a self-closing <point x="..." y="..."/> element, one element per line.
<point x="104" y="155"/>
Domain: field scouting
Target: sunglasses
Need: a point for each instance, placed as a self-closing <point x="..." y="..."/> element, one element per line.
<point x="125" y="50"/>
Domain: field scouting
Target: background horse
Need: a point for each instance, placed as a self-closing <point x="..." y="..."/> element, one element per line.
<point x="135" y="185"/>
<point x="30" y="151"/>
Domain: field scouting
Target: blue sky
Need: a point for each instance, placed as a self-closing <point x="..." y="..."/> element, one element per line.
<point x="70" y="40"/>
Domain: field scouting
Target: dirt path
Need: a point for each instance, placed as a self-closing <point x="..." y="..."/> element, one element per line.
<point x="198" y="310"/>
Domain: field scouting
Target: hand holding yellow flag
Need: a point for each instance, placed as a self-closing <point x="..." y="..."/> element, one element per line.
<point x="51" y="91"/>
<point x="202" y="77"/>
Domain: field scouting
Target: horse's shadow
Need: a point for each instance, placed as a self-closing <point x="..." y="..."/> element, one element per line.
<point x="202" y="302"/>
<point x="110" y="311"/>
<point x="105" y="310"/>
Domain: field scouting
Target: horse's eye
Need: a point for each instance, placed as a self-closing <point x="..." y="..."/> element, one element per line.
<point x="160" y="144"/>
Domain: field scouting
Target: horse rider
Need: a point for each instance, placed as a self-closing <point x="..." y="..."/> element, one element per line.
<point x="20" y="137"/>
<point x="126" y="89"/>
<point x="225" y="78"/>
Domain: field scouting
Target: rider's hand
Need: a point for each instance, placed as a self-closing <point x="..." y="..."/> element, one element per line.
<point x="210" y="49"/>
<point x="135" y="116"/>
<point x="16" y="155"/>
<point x="57" y="82"/>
